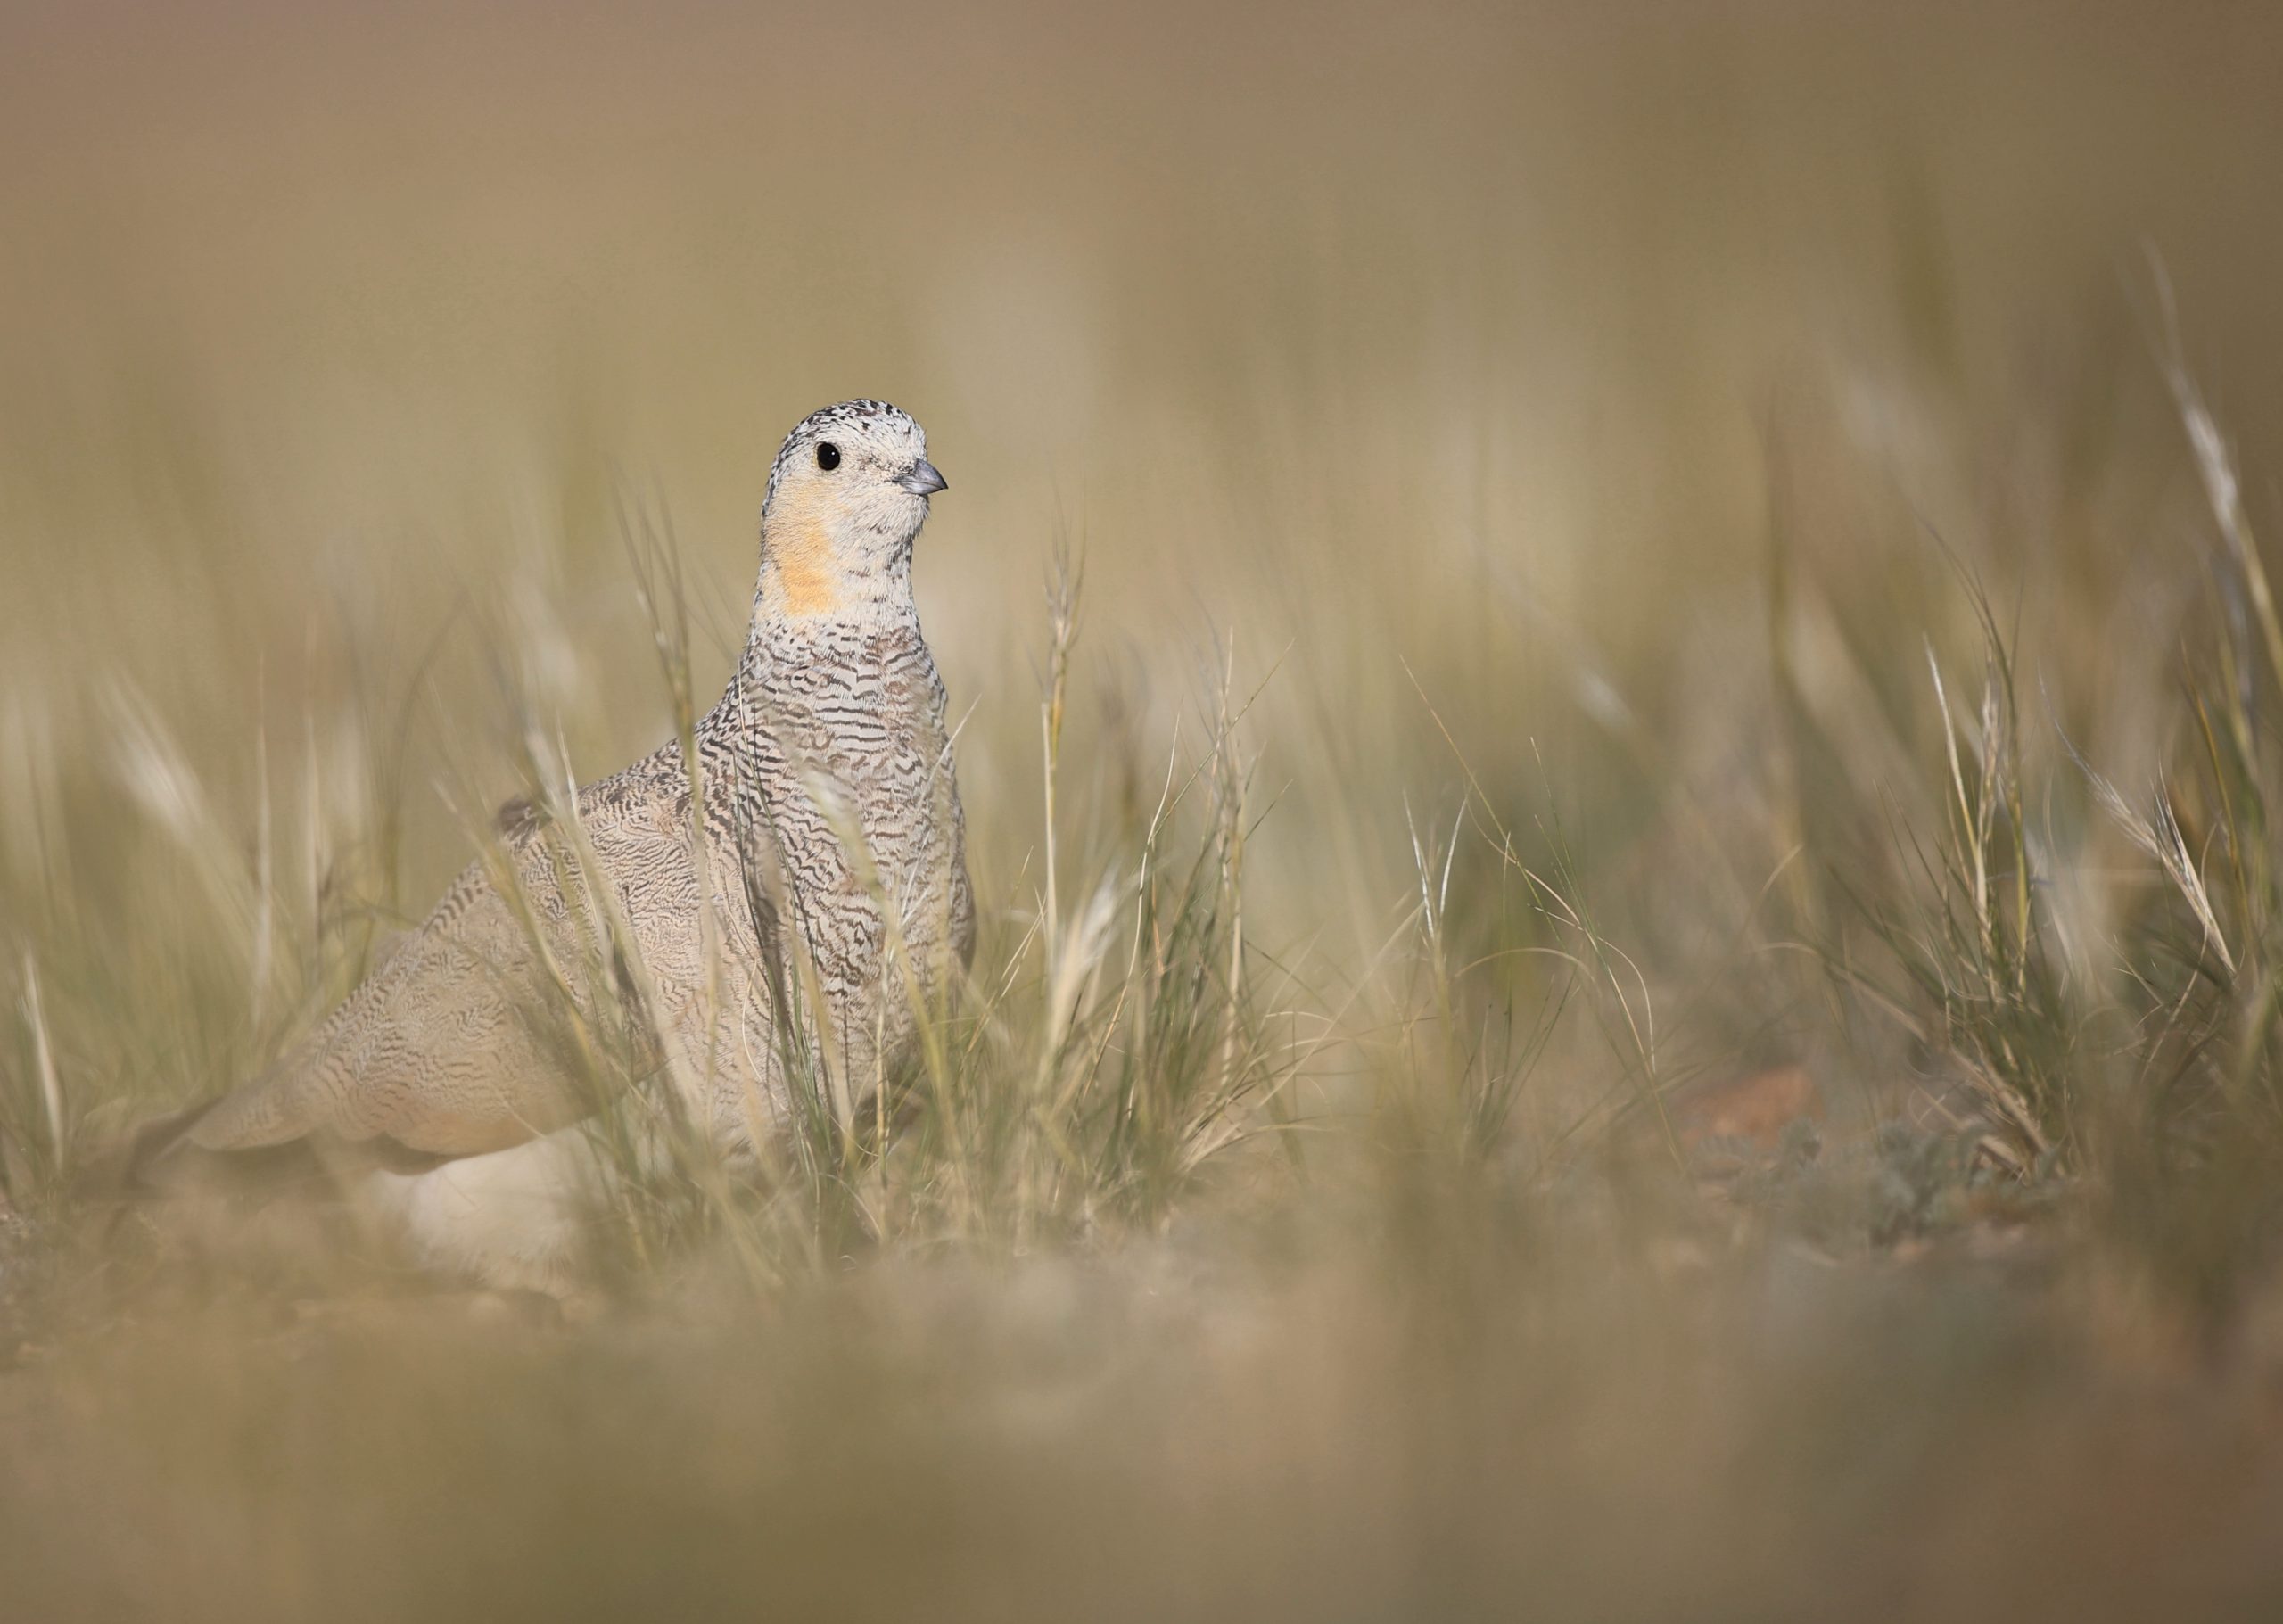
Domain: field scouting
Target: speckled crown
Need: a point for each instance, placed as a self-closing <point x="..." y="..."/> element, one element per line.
<point x="848" y="413"/>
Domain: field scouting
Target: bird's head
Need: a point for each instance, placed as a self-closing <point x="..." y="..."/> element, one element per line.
<point x="847" y="495"/>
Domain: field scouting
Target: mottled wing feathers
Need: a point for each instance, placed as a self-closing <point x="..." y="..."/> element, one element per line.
<point x="433" y="1053"/>
<point x="443" y="1049"/>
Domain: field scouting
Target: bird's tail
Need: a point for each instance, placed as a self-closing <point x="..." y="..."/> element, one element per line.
<point x="156" y="1160"/>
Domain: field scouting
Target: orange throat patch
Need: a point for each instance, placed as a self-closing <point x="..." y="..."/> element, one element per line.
<point x="799" y="552"/>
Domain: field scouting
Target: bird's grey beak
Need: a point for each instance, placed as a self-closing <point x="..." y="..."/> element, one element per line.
<point x="922" y="480"/>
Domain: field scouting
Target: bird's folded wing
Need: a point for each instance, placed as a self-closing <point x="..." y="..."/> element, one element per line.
<point x="441" y="1052"/>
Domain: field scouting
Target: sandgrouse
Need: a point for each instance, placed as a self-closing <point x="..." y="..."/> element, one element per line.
<point x="825" y="842"/>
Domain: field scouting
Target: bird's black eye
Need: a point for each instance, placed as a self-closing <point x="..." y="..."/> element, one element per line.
<point x="828" y="456"/>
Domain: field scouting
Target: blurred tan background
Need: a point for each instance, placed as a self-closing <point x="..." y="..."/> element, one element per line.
<point x="1580" y="422"/>
<point x="1465" y="337"/>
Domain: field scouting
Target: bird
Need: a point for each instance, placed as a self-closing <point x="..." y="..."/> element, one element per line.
<point x="782" y="910"/>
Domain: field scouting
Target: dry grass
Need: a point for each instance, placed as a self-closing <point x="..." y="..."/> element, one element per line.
<point x="1584" y="565"/>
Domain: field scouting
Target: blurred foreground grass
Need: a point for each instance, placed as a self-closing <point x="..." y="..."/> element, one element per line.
<point x="1625" y="560"/>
